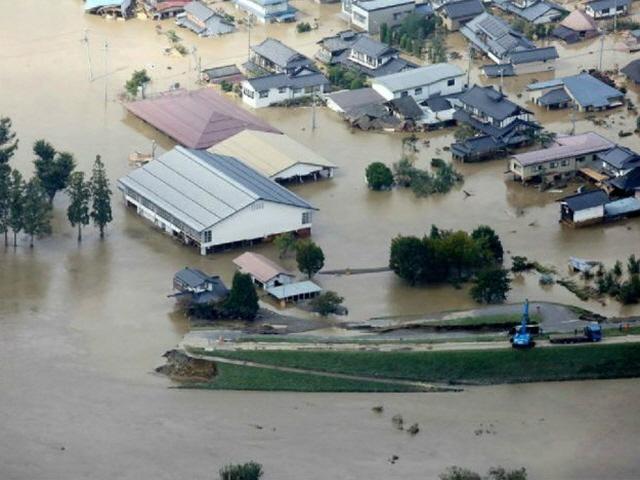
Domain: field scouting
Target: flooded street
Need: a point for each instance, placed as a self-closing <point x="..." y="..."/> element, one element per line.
<point x="82" y="326"/>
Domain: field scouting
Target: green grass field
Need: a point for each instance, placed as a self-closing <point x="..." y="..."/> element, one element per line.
<point x="235" y="377"/>
<point x="456" y="367"/>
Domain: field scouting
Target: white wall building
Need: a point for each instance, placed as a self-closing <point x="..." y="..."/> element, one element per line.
<point x="421" y="83"/>
<point x="212" y="200"/>
<point x="370" y="14"/>
<point x="277" y="88"/>
<point x="266" y="11"/>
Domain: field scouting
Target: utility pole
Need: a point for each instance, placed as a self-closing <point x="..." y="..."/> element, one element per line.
<point x="85" y="40"/>
<point x="313" y="110"/>
<point x="601" y="51"/>
<point x="106" y="70"/>
<point x="250" y="18"/>
<point x="469" y="68"/>
<point x="573" y="119"/>
<point x="615" y="16"/>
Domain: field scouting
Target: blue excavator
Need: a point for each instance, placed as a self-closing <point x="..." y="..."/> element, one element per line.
<point x="523" y="338"/>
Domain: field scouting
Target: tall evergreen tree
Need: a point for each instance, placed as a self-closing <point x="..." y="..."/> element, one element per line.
<point x="8" y="140"/>
<point x="16" y="204"/>
<point x="80" y="195"/>
<point x="101" y="196"/>
<point x="53" y="169"/>
<point x="37" y="210"/>
<point x="5" y="181"/>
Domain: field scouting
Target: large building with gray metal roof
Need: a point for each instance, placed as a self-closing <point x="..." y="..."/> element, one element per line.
<point x="211" y="200"/>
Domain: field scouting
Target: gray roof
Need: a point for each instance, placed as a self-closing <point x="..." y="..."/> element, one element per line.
<point x="582" y="201"/>
<point x="306" y="287"/>
<point x="533" y="55"/>
<point x="620" y="157"/>
<point x="532" y="12"/>
<point x="191" y="277"/>
<point x="554" y="97"/>
<point x="588" y="91"/>
<point x="340" y="41"/>
<point x="201" y="189"/>
<point x="303" y="79"/>
<point x="490" y="102"/>
<point x="493" y="34"/>
<point x="499" y="69"/>
<point x="418" y="77"/>
<point x="407" y="107"/>
<point x="599" y="5"/>
<point x="199" y="10"/>
<point x="224" y="71"/>
<point x="280" y="54"/>
<point x="463" y="9"/>
<point x="624" y="206"/>
<point x="370" y="5"/>
<point x="632" y="70"/>
<point x="347" y="99"/>
<point x="628" y="182"/>
<point x="371" y="47"/>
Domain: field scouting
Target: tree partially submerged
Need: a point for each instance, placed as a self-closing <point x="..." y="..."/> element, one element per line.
<point x="101" y="196"/>
<point x="138" y="79"/>
<point x="491" y="286"/>
<point x="8" y="140"/>
<point x="310" y="257"/>
<point x="285" y="243"/>
<point x="79" y="192"/>
<point x="16" y="205"/>
<point x="327" y="303"/>
<point x="243" y="471"/>
<point x="494" y="473"/>
<point x="36" y="211"/>
<point x="379" y="176"/>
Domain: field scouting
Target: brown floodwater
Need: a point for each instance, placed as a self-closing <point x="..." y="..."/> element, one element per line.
<point x="83" y="325"/>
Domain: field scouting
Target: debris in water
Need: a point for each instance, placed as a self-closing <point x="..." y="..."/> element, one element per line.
<point x="256" y="426"/>
<point x="393" y="459"/>
<point x="398" y="421"/>
<point x="378" y="409"/>
<point x="413" y="429"/>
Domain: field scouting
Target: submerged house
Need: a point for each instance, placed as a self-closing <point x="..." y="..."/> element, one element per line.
<point x="369" y="15"/>
<point x="619" y="161"/>
<point x="598" y="9"/>
<point x="457" y="13"/>
<point x="264" y="272"/>
<point x="273" y="56"/>
<point x="276" y="156"/>
<point x="196" y="119"/>
<point x="632" y="71"/>
<point x="209" y="200"/>
<point x="583" y="91"/>
<point x="560" y="160"/>
<point x="575" y="27"/>
<point x="346" y="100"/>
<point x="279" y="88"/>
<point x="225" y="73"/>
<point x="510" y="50"/>
<point x="537" y="12"/>
<point x="421" y="83"/>
<point x="500" y="124"/>
<point x="203" y="21"/>
<point x="583" y="209"/>
<point x="161" y="9"/>
<point x="268" y="11"/>
<point x="195" y="286"/>
<point x="362" y="53"/>
<point x="119" y="8"/>
<point x="625" y="185"/>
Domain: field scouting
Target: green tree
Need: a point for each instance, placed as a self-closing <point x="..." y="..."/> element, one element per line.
<point x="16" y="205"/>
<point x="245" y="471"/>
<point x="8" y="140"/>
<point x="437" y="49"/>
<point x="379" y="176"/>
<point x="495" y="473"/>
<point x="520" y="264"/>
<point x="407" y="257"/>
<point x="242" y="301"/>
<point x="286" y="243"/>
<point x="100" y="196"/>
<point x="310" y="257"/>
<point x="138" y="79"/>
<point x="5" y="195"/>
<point x="53" y="169"/>
<point x="457" y="473"/>
<point x="489" y="240"/>
<point x="633" y="265"/>
<point x="463" y="132"/>
<point x="36" y="219"/>
<point x="79" y="195"/>
<point x="384" y="33"/>
<point x="327" y="303"/>
<point x="491" y="286"/>
<point x="617" y="269"/>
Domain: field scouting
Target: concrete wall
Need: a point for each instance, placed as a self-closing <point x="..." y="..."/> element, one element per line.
<point x="546" y="169"/>
<point x="370" y="21"/>
<point x="535" y="67"/>
<point x="589" y="215"/>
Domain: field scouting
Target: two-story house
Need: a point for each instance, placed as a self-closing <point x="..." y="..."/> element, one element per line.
<point x="203" y="21"/>
<point x="440" y="79"/>
<point x="273" y="56"/>
<point x="598" y="9"/>
<point x="268" y="11"/>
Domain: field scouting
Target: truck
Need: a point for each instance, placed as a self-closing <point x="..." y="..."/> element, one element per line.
<point x="523" y="338"/>
<point x="591" y="333"/>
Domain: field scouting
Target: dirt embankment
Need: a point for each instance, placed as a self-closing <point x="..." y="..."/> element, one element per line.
<point x="182" y="368"/>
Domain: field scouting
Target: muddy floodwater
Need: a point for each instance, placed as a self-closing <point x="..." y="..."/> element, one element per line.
<point x="81" y="327"/>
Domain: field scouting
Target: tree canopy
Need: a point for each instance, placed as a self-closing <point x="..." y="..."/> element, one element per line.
<point x="242" y="301"/>
<point x="16" y="204"/>
<point x="8" y="140"/>
<point x="53" y="168"/>
<point x="243" y="471"/>
<point x="79" y="196"/>
<point x="100" y="196"/>
<point x="310" y="257"/>
<point x="36" y="218"/>
<point x="491" y="286"/>
<point x="379" y="176"/>
<point x="137" y="80"/>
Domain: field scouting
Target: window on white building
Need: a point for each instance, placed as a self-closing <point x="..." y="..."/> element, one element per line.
<point x="247" y="92"/>
<point x="207" y="236"/>
<point x="264" y="93"/>
<point x="282" y="89"/>
<point x="418" y="91"/>
<point x="306" y="218"/>
<point x="404" y="94"/>
<point x="451" y="82"/>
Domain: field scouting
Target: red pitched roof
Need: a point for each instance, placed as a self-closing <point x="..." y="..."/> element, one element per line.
<point x="196" y="119"/>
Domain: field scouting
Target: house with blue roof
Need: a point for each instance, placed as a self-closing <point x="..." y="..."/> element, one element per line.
<point x="119" y="8"/>
<point x="457" y="13"/>
<point x="537" y="12"/>
<point x="586" y="92"/>
<point x="598" y="9"/>
<point x="209" y="200"/>
<point x="203" y="21"/>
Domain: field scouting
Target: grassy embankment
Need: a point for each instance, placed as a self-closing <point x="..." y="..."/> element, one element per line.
<point x="455" y="367"/>
<point x="236" y="377"/>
